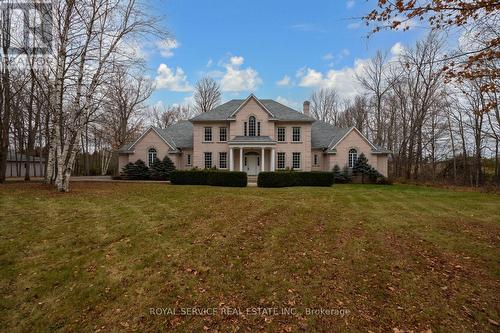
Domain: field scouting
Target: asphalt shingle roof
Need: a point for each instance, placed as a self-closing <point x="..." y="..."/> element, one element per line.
<point x="280" y="112"/>
<point x="323" y="135"/>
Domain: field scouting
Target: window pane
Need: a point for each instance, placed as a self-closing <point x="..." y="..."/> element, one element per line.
<point x="208" y="160"/>
<point x="208" y="133"/>
<point x="151" y="156"/>
<point x="296" y="160"/>
<point x="222" y="134"/>
<point x="251" y="126"/>
<point x="281" y="160"/>
<point x="296" y="134"/>
<point x="223" y="160"/>
<point x="281" y="134"/>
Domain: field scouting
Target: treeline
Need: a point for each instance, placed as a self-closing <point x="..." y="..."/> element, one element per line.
<point x="73" y="94"/>
<point x="439" y="129"/>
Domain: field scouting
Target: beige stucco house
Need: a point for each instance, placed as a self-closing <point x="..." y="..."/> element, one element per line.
<point x="254" y="135"/>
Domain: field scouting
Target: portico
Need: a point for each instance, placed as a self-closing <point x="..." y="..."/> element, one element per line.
<point x="252" y="154"/>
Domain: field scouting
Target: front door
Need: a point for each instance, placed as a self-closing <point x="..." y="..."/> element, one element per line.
<point x="252" y="164"/>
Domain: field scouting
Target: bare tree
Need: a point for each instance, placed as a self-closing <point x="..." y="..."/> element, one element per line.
<point x="123" y="104"/>
<point x="325" y="105"/>
<point x="163" y="116"/>
<point x="207" y="94"/>
<point x="375" y="80"/>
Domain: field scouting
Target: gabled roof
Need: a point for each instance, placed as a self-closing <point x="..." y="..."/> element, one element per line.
<point x="323" y="135"/>
<point x="226" y="111"/>
<point x="177" y="136"/>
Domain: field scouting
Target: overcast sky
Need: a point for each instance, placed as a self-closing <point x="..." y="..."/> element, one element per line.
<point x="282" y="50"/>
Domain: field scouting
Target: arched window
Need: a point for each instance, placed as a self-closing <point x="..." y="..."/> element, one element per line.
<point x="353" y="156"/>
<point x="151" y="156"/>
<point x="251" y="126"/>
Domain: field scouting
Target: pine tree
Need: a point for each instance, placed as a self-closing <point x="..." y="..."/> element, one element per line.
<point x="128" y="170"/>
<point x="338" y="176"/>
<point x="160" y="170"/>
<point x="361" y="167"/>
<point x="141" y="171"/>
<point x="346" y="175"/>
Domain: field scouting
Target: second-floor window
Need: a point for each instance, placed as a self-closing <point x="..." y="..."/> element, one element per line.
<point x="223" y="134"/>
<point x="258" y="128"/>
<point x="281" y="134"/>
<point x="208" y="134"/>
<point x="296" y="134"/>
<point x="251" y="126"/>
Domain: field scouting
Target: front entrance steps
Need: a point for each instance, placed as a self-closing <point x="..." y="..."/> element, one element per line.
<point x="252" y="179"/>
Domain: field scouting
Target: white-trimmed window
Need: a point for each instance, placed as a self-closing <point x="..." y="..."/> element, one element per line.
<point x="208" y="134"/>
<point x="296" y="160"/>
<point x="353" y="156"/>
<point x="208" y="160"/>
<point x="245" y="129"/>
<point x="223" y="160"/>
<point x="251" y="126"/>
<point x="223" y="134"/>
<point x="281" y="160"/>
<point x="316" y="159"/>
<point x="281" y="134"/>
<point x="258" y="128"/>
<point x="296" y="134"/>
<point x="151" y="156"/>
<point x="188" y="159"/>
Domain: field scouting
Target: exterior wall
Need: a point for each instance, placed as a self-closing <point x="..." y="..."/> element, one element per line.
<point x="321" y="160"/>
<point x="150" y="140"/>
<point x="200" y="147"/>
<point x="356" y="141"/>
<point x="288" y="147"/>
<point x="18" y="169"/>
<point x="183" y="160"/>
<point x="123" y="160"/>
<point x="252" y="108"/>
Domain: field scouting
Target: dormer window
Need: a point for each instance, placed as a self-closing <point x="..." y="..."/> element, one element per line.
<point x="251" y="126"/>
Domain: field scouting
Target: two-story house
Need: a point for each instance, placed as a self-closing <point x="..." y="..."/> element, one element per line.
<point x="254" y="135"/>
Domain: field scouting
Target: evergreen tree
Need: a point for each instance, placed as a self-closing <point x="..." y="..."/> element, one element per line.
<point x="340" y="176"/>
<point x="361" y="167"/>
<point x="160" y="170"/>
<point x="346" y="175"/>
<point x="127" y="170"/>
<point x="141" y="171"/>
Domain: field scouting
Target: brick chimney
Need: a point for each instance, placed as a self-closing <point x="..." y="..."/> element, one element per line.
<point x="306" y="107"/>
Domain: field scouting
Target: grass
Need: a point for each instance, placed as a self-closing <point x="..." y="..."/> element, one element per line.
<point x="99" y="258"/>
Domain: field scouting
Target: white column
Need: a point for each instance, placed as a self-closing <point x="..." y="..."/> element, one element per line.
<point x="263" y="162"/>
<point x="241" y="159"/>
<point x="272" y="159"/>
<point x="231" y="162"/>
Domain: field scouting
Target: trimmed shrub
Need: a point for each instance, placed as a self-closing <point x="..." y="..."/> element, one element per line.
<point x="160" y="170"/>
<point x="189" y="177"/>
<point x="227" y="178"/>
<point x="135" y="171"/>
<point x="292" y="178"/>
<point x="209" y="177"/>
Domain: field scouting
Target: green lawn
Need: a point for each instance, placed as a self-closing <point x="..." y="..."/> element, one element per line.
<point x="99" y="258"/>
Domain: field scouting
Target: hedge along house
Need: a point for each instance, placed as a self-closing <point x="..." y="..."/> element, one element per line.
<point x="254" y="135"/>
